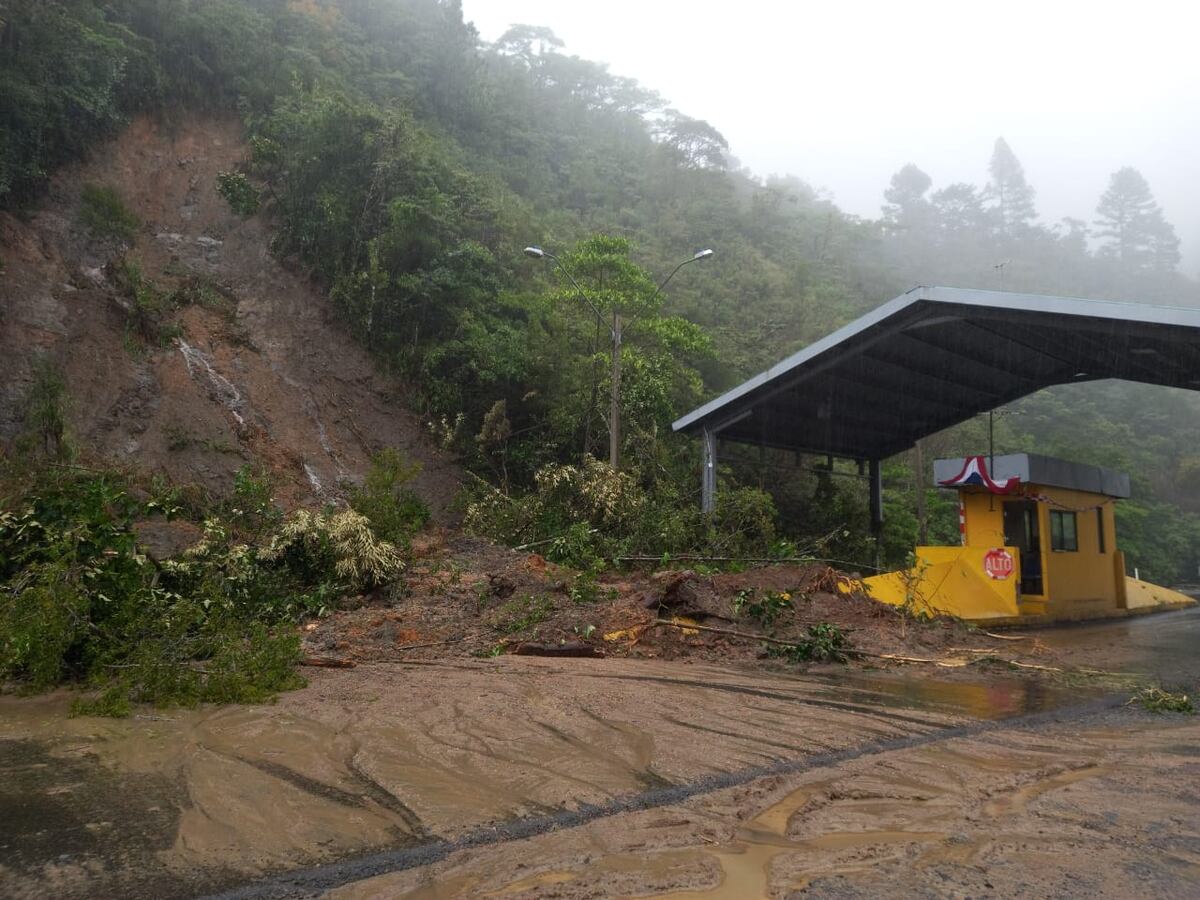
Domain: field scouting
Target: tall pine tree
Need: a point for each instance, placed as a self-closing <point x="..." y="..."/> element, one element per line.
<point x="1137" y="236"/>
<point x="1010" y="195"/>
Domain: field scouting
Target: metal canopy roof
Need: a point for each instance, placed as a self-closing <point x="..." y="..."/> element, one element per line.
<point x="934" y="357"/>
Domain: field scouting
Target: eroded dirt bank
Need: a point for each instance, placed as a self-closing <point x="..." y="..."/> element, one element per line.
<point x="259" y="371"/>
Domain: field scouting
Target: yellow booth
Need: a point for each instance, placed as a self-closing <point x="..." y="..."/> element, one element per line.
<point x="1038" y="543"/>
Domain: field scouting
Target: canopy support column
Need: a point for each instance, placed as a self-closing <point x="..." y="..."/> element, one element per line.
<point x="875" y="479"/>
<point x="875" y="476"/>
<point x="708" y="477"/>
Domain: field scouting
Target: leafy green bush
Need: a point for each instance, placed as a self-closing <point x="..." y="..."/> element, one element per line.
<point x="582" y="515"/>
<point x="105" y="215"/>
<point x="252" y="508"/>
<point x="313" y="544"/>
<point x="242" y="196"/>
<point x="80" y="603"/>
<point x="395" y="512"/>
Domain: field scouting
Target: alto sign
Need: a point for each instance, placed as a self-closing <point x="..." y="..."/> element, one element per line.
<point x="999" y="564"/>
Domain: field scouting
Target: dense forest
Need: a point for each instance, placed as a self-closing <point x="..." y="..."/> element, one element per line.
<point x="406" y="164"/>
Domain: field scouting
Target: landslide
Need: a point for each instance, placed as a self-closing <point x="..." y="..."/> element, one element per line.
<point x="266" y="377"/>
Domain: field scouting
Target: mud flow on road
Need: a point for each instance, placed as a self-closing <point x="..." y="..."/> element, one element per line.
<point x="595" y="778"/>
<point x="1164" y="646"/>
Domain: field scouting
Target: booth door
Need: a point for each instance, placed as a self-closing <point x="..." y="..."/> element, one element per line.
<point x="1021" y="531"/>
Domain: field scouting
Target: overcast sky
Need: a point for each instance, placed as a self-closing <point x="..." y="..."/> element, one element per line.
<point x="842" y="94"/>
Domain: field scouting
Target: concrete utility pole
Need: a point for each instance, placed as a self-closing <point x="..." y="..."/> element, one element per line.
<point x="615" y="332"/>
<point x="614" y="405"/>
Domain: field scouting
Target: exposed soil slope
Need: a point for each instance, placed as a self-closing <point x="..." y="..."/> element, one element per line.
<point x="277" y="382"/>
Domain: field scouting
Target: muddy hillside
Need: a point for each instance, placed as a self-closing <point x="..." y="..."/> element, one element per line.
<point x="248" y="365"/>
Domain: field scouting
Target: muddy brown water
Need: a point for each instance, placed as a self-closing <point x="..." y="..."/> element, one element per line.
<point x="1164" y="646"/>
<point x="383" y="757"/>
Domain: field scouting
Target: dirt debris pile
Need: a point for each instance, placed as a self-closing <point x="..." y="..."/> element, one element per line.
<point x="467" y="597"/>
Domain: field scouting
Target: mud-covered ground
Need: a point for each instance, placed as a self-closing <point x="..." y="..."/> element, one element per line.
<point x="393" y="755"/>
<point x="577" y="777"/>
<point x="1104" y="806"/>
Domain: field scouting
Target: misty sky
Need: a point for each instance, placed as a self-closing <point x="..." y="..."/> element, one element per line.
<point x="844" y="94"/>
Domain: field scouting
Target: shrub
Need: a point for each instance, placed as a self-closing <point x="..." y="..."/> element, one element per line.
<point x="311" y="544"/>
<point x="252" y="508"/>
<point x="44" y="424"/>
<point x="395" y="512"/>
<point x="824" y="642"/>
<point x="104" y="214"/>
<point x="243" y="197"/>
<point x="584" y="514"/>
<point x="148" y="306"/>
<point x="79" y="602"/>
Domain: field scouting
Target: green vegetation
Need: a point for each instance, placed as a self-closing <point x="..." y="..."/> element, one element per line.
<point x="764" y="610"/>
<point x="44" y="431"/>
<point x="396" y="513"/>
<point x="242" y="196"/>
<point x="521" y="614"/>
<point x="148" y="306"/>
<point x="406" y="163"/>
<point x="825" y="642"/>
<point x="81" y="603"/>
<point x="104" y="214"/>
<point x="1158" y="700"/>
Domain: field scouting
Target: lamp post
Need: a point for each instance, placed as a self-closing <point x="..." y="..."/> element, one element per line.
<point x="615" y="332"/>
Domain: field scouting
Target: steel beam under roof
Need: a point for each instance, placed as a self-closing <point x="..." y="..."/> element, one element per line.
<point x="934" y="357"/>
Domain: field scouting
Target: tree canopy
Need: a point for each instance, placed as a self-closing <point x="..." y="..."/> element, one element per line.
<point x="407" y="163"/>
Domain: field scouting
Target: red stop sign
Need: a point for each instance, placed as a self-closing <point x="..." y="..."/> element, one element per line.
<point x="999" y="563"/>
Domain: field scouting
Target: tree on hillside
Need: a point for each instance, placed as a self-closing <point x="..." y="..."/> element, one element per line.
<point x="907" y="209"/>
<point x="1010" y="194"/>
<point x="1164" y="246"/>
<point x="697" y="144"/>
<point x="958" y="209"/>
<point x="528" y="43"/>
<point x="657" y="351"/>
<point x="1138" y="237"/>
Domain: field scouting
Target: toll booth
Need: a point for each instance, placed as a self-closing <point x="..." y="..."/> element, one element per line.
<point x="1038" y="542"/>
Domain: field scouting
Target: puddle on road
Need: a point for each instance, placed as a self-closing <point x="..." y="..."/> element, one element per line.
<point x="993" y="698"/>
<point x="1162" y="645"/>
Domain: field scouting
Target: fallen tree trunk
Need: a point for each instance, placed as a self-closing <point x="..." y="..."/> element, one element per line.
<point x="569" y="648"/>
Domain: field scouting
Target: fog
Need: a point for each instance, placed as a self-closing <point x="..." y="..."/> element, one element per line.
<point x="843" y="95"/>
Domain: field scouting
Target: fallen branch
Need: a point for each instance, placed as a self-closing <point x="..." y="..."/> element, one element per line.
<point x="327" y="662"/>
<point x="548" y="540"/>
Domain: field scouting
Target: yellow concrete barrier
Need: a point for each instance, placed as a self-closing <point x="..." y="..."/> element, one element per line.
<point x="1144" y="595"/>
<point x="949" y="580"/>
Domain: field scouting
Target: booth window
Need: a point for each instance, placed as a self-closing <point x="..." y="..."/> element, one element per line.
<point x="1062" y="531"/>
<point x="1100" y="528"/>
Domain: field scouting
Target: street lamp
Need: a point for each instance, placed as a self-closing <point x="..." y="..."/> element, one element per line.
<point x="614" y="330"/>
